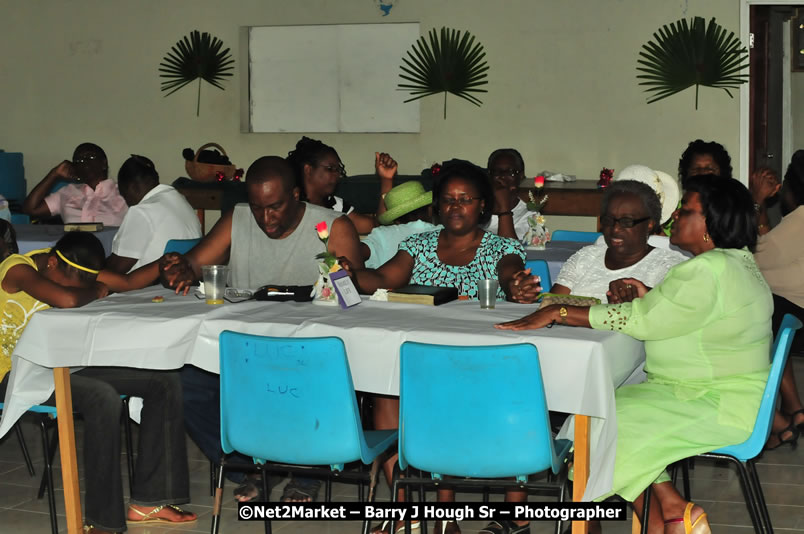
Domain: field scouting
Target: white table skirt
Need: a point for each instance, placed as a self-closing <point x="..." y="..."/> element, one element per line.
<point x="581" y="367"/>
<point x="35" y="236"/>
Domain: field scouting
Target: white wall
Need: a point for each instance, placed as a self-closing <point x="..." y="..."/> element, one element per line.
<point x="562" y="88"/>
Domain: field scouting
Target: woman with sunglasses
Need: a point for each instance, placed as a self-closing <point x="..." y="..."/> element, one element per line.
<point x="91" y="198"/>
<point x="630" y="212"/>
<point x="318" y="169"/>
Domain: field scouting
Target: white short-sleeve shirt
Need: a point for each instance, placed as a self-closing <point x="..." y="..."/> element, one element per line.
<point x="586" y="274"/>
<point x="161" y="215"/>
<point x="520" y="215"/>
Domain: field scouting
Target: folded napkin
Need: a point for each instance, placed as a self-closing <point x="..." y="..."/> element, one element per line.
<point x="551" y="176"/>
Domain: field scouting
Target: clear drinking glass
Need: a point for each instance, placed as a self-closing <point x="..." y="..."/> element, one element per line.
<point x="214" y="282"/>
<point x="487" y="293"/>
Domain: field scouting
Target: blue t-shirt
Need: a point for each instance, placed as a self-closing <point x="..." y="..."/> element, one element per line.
<point x="428" y="270"/>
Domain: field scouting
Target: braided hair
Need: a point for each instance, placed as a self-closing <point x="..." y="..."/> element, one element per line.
<point x="309" y="152"/>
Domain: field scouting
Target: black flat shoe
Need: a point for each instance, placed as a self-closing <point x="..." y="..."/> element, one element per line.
<point x="792" y="439"/>
<point x="800" y="426"/>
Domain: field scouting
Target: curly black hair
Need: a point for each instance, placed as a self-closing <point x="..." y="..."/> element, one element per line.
<point x="81" y="248"/>
<point x="701" y="147"/>
<point x="309" y="152"/>
<point x="794" y="177"/>
<point x="470" y="172"/>
<point x="514" y="153"/>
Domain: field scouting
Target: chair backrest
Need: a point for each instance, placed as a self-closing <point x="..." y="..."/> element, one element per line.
<point x="540" y="269"/>
<point x="751" y="447"/>
<point x="473" y="411"/>
<point x="20" y="218"/>
<point x="181" y="246"/>
<point x="288" y="400"/>
<point x="572" y="235"/>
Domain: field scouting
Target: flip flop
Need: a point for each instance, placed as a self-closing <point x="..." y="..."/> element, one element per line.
<point x="150" y="517"/>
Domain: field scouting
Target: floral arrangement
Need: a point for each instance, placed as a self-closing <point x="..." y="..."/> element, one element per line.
<point x="327" y="257"/>
<point x="323" y="290"/>
<point x="606" y="176"/>
<point x="537" y="235"/>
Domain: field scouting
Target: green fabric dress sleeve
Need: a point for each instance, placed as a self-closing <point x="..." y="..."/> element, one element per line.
<point x="684" y="301"/>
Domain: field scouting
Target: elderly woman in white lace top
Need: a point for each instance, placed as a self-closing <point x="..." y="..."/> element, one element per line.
<point x="630" y="212"/>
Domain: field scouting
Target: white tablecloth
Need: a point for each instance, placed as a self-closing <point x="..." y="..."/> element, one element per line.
<point x="581" y="367"/>
<point x="35" y="236"/>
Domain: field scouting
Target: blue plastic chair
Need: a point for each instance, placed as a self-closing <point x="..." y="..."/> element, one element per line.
<point x="742" y="455"/>
<point x="20" y="218"/>
<point x="180" y="246"/>
<point x="291" y="401"/>
<point x="497" y="436"/>
<point x="572" y="235"/>
<point x="46" y="422"/>
<point x="540" y="269"/>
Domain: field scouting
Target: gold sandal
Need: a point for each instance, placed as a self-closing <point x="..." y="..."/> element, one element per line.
<point x="150" y="517"/>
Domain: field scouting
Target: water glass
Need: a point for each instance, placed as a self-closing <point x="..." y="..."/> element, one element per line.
<point x="487" y="293"/>
<point x="214" y="282"/>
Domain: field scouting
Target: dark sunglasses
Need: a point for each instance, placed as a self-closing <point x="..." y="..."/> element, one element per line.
<point x="624" y="222"/>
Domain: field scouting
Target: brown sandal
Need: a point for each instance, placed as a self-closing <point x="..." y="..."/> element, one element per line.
<point x="151" y="517"/>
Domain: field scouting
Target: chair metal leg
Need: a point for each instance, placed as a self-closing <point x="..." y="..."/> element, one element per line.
<point x="24" y="447"/>
<point x="213" y="482"/>
<point x="48" y="475"/>
<point x="759" y="495"/>
<point x="328" y="490"/>
<point x="685" y="473"/>
<point x="216" y="508"/>
<point x="646" y="510"/>
<point x="267" y="491"/>
<point x="129" y="445"/>
<point x="50" y="454"/>
<point x="748" y="493"/>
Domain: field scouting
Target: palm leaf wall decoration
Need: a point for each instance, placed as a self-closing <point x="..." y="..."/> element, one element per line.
<point x="696" y="54"/>
<point x="197" y="56"/>
<point x="450" y="63"/>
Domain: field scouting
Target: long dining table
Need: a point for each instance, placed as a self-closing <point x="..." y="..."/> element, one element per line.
<point x="580" y="367"/>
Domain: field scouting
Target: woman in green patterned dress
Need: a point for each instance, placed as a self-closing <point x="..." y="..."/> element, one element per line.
<point x="707" y="332"/>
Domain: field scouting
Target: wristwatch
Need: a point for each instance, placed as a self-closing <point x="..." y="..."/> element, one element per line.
<point x="562" y="312"/>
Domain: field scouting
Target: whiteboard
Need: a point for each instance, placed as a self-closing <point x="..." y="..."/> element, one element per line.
<point x="330" y="78"/>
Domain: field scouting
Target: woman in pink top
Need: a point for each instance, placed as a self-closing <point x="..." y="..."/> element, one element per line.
<point x="94" y="198"/>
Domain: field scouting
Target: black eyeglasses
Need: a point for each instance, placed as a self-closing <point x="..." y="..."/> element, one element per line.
<point x="624" y="222"/>
<point x="463" y="201"/>
<point x="340" y="170"/>
<point x="506" y="173"/>
<point x="85" y="158"/>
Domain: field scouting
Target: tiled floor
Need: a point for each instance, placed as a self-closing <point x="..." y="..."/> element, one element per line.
<point x="716" y="488"/>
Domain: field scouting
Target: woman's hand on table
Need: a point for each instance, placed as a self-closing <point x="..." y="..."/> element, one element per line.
<point x="176" y="272"/>
<point x="525" y="288"/>
<point x="538" y="319"/>
<point x="626" y="290"/>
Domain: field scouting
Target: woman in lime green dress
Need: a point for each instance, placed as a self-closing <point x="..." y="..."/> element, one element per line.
<point x="707" y="332"/>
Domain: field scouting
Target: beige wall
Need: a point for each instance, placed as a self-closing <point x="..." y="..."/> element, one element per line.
<point x="562" y="88"/>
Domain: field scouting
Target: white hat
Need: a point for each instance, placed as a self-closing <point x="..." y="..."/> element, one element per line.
<point x="666" y="186"/>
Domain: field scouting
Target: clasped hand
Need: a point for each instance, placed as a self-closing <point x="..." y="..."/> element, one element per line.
<point x="625" y="290"/>
<point x="176" y="272"/>
<point x="525" y="288"/>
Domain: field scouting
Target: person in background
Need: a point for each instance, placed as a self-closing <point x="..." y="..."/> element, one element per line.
<point x="270" y="240"/>
<point x="157" y="213"/>
<point x="66" y="276"/>
<point x="701" y="157"/>
<point x="8" y="240"/>
<point x="409" y="211"/>
<point x="707" y="333"/>
<point x="94" y="198"/>
<point x="5" y="211"/>
<point x="630" y="211"/>
<point x="780" y="257"/>
<point x="318" y="167"/>
<point x="510" y="218"/>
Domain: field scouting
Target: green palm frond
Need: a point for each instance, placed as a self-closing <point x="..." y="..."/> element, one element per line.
<point x="450" y="63"/>
<point x="197" y="56"/>
<point x="696" y="54"/>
